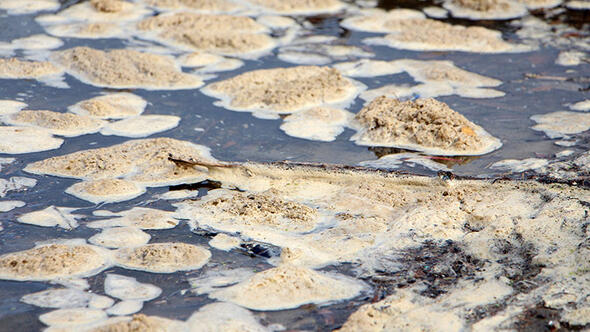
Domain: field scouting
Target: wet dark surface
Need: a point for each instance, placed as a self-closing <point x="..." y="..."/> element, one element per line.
<point x="238" y="136"/>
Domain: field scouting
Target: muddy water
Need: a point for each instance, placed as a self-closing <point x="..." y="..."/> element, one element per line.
<point x="237" y="136"/>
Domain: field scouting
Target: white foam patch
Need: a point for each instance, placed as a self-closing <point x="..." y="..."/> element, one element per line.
<point x="51" y="217"/>
<point x="578" y="5"/>
<point x="141" y="126"/>
<point x="224" y="65"/>
<point x="564" y="153"/>
<point x="223" y="316"/>
<point x="517" y="166"/>
<point x="215" y="279"/>
<point x="166" y="257"/>
<point x="129" y="289"/>
<point x="394" y="161"/>
<point x="372" y="20"/>
<point x="11" y="106"/>
<point x="124" y="308"/>
<point x="179" y="194"/>
<point x="60" y="124"/>
<point x="87" y="12"/>
<point x="498" y="10"/>
<point x="435" y="12"/>
<point x="541" y="4"/>
<point x="16" y="183"/>
<point x="6" y="206"/>
<point x="571" y="58"/>
<point x="30" y="43"/>
<point x="582" y="106"/>
<point x="199" y="59"/>
<point x="20" y="7"/>
<point x="296" y="7"/>
<point x="225" y="242"/>
<point x="276" y="22"/>
<point x="562" y="123"/>
<point x="140" y="217"/>
<point x="83" y="29"/>
<point x="18" y="140"/>
<point x="317" y="124"/>
<point x="316" y="50"/>
<point x="64" y="298"/>
<point x="303" y="58"/>
<point x="111" y="106"/>
<point x="106" y="190"/>
<point x="120" y="237"/>
<point x="69" y="318"/>
<point x="288" y="287"/>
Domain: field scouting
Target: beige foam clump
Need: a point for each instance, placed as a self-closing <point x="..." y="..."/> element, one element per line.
<point x="6" y="206"/>
<point x="105" y="11"/>
<point x="123" y="69"/>
<point x="486" y="9"/>
<point x="18" y="69"/>
<point x="141" y="125"/>
<point x="316" y="124"/>
<point x="199" y="59"/>
<point x="17" y="140"/>
<point x="140" y="217"/>
<point x="51" y="217"/>
<point x="139" y="322"/>
<point x="379" y="20"/>
<point x="10" y="106"/>
<point x="269" y="92"/>
<point x="288" y="287"/>
<point x="201" y="6"/>
<point x="221" y="316"/>
<point x="578" y="5"/>
<point x="276" y="22"/>
<point x="69" y="318"/>
<point x="106" y="190"/>
<point x="120" y="237"/>
<point x="541" y="4"/>
<point x="299" y="7"/>
<point x="127" y="288"/>
<point x="64" y="298"/>
<point x="111" y="106"/>
<point x="142" y="161"/>
<point x="516" y="166"/>
<point x="425" y="125"/>
<point x="61" y="124"/>
<point x="58" y="260"/>
<point x="123" y="308"/>
<point x="561" y="123"/>
<point x="85" y="30"/>
<point x="19" y="7"/>
<point x="570" y="58"/>
<point x="224" y="242"/>
<point x="163" y="257"/>
<point x="401" y="311"/>
<point x="220" y="34"/>
<point x="235" y="211"/>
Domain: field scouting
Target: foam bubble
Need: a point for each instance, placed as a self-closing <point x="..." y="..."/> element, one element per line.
<point x="163" y="257"/>
<point x="124" y="308"/>
<point x="97" y="30"/>
<point x="111" y="106"/>
<point x="288" y="287"/>
<point x="140" y="217"/>
<point x="224" y="242"/>
<point x="11" y="106"/>
<point x="16" y="183"/>
<point x="223" y="316"/>
<point x="6" y="206"/>
<point x="69" y="318"/>
<point x="106" y="190"/>
<point x="105" y="11"/>
<point x="51" y="217"/>
<point x="30" y="43"/>
<point x="141" y="125"/>
<point x="435" y="12"/>
<point x="298" y="7"/>
<point x="317" y="124"/>
<point x="19" y="7"/>
<point x="121" y="69"/>
<point x="129" y="289"/>
<point x="485" y="9"/>
<point x="570" y="58"/>
<point x="64" y="298"/>
<point x="393" y="161"/>
<point x="120" y="237"/>
<point x="17" y="140"/>
<point x="276" y="22"/>
<point x="61" y="124"/>
<point x="578" y="5"/>
<point x="582" y="106"/>
<point x="201" y="6"/>
<point x="42" y="71"/>
<point x="130" y="324"/>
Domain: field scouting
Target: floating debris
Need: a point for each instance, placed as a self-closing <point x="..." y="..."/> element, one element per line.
<point x="121" y="69"/>
<point x="163" y="257"/>
<point x="65" y="298"/>
<point x="424" y="125"/>
<point x="224" y="242"/>
<point x="17" y="140"/>
<point x="60" y="124"/>
<point x="288" y="287"/>
<point x="51" y="217"/>
<point x="141" y="125"/>
<point x="238" y="36"/>
<point x="317" y="124"/>
<point x="120" y="237"/>
<point x="72" y="258"/>
<point x="140" y="217"/>
<point x="6" y="206"/>
<point x="517" y="166"/>
<point x="106" y="190"/>
<point x="270" y="92"/>
<point x="562" y="123"/>
<point x="111" y="106"/>
<point x="486" y="9"/>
